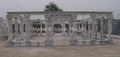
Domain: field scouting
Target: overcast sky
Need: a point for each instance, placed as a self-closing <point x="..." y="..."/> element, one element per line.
<point x="66" y="5"/>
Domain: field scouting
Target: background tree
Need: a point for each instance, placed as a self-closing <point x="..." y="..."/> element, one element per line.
<point x="52" y="7"/>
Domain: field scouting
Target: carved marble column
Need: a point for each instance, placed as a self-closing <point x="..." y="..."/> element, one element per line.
<point x="31" y="28"/>
<point x="10" y="34"/>
<point x="101" y="33"/>
<point x="89" y="30"/>
<point x="109" y="28"/>
<point x="16" y="28"/>
<point x="96" y="29"/>
<point x="93" y="35"/>
<point x="21" y="28"/>
<point x="110" y="31"/>
<point x="27" y="27"/>
<point x="73" y="38"/>
<point x="82" y="29"/>
<point x="49" y="32"/>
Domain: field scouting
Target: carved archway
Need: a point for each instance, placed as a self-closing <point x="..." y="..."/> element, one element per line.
<point x="57" y="28"/>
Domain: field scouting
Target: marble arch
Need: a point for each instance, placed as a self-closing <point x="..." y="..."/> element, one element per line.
<point x="87" y="27"/>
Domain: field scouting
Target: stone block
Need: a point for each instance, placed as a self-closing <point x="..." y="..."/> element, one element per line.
<point x="73" y="42"/>
<point x="28" y="43"/>
<point x="101" y="42"/>
<point x="92" y="42"/>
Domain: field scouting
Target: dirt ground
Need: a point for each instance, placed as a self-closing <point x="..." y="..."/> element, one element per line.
<point x="62" y="51"/>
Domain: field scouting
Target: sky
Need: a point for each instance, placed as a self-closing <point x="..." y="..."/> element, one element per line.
<point x="66" y="5"/>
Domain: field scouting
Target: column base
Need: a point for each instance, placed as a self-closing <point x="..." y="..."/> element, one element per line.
<point x="10" y="43"/>
<point x="92" y="42"/>
<point x="108" y="42"/>
<point x="48" y="43"/>
<point x="28" y="43"/>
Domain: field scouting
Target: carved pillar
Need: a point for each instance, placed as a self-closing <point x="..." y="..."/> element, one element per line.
<point x="93" y="35"/>
<point x="73" y="39"/>
<point x="49" y="32"/>
<point x="110" y="30"/>
<point x="109" y="27"/>
<point x="96" y="28"/>
<point x="16" y="28"/>
<point x="10" y="34"/>
<point x="101" y="28"/>
<point x="93" y="27"/>
<point x="41" y="28"/>
<point x="85" y="28"/>
<point x="21" y="27"/>
<point x="31" y="28"/>
<point x="27" y="27"/>
<point x="82" y="28"/>
<point x="89" y="30"/>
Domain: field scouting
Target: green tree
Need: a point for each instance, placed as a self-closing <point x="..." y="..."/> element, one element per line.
<point x="52" y="7"/>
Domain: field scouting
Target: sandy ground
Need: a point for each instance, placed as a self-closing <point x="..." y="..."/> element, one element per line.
<point x="62" y="51"/>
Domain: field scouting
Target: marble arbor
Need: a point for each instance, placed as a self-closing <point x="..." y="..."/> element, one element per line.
<point x="20" y="25"/>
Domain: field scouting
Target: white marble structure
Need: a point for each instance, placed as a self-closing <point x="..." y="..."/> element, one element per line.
<point x="21" y="26"/>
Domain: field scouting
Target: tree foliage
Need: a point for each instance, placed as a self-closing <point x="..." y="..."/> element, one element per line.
<point x="52" y="7"/>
